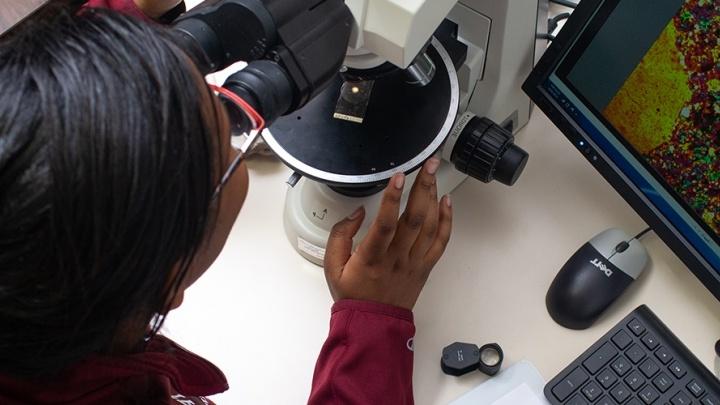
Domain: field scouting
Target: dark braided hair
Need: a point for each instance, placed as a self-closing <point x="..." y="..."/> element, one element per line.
<point x="107" y="165"/>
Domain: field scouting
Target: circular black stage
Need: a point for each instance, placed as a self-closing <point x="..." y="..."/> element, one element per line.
<point x="404" y="125"/>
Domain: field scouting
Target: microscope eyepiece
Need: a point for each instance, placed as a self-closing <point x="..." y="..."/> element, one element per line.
<point x="265" y="85"/>
<point x="293" y="51"/>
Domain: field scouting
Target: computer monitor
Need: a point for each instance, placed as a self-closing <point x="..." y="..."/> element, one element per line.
<point x="635" y="86"/>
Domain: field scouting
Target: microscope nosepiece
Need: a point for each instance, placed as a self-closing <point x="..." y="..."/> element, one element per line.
<point x="421" y="72"/>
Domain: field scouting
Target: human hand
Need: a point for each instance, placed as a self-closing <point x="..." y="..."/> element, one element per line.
<point x="393" y="262"/>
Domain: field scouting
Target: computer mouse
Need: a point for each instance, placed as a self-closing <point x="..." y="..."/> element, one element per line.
<point x="594" y="277"/>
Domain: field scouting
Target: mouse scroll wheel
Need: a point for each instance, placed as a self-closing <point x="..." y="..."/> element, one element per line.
<point x="621" y="247"/>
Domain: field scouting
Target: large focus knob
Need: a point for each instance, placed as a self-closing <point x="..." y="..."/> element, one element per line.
<point x="487" y="152"/>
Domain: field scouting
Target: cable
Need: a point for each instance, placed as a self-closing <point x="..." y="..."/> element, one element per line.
<point x="641" y="234"/>
<point x="553" y="22"/>
<point x="552" y="26"/>
<point x="565" y="3"/>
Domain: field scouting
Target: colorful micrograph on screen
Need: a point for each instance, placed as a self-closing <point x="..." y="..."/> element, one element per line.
<point x="669" y="107"/>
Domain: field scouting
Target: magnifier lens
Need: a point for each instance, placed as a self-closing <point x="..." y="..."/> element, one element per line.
<point x="490" y="357"/>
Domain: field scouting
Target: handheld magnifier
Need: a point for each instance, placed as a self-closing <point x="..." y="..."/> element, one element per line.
<point x="461" y="358"/>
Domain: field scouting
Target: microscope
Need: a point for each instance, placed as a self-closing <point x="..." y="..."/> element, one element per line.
<point x="421" y="78"/>
<point x="359" y="90"/>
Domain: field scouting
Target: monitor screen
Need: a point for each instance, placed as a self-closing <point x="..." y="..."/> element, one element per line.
<point x="635" y="84"/>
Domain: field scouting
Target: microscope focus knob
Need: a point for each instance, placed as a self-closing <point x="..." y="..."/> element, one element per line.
<point x="487" y="152"/>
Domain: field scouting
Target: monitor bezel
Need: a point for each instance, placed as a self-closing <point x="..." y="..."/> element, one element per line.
<point x="533" y="86"/>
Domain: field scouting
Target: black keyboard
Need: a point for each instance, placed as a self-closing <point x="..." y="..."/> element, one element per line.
<point x="639" y="362"/>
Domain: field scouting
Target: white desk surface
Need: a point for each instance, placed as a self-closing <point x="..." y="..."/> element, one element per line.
<point x="261" y="312"/>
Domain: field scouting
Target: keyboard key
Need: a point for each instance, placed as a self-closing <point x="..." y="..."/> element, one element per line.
<point x="569" y="384"/>
<point x="621" y="392"/>
<point x="592" y="391"/>
<point x="696" y="389"/>
<point x="635" y="380"/>
<point x="600" y="358"/>
<point x="650" y="341"/>
<point x="622" y="339"/>
<point x="663" y="382"/>
<point x="710" y="400"/>
<point x="649" y="368"/>
<point x="606" y="400"/>
<point x="663" y="354"/>
<point x="636" y="327"/>
<point x="678" y="369"/>
<point x="634" y="401"/>
<point x="577" y="400"/>
<point x="606" y="378"/>
<point x="635" y="353"/>
<point x="649" y="395"/>
<point x="621" y="366"/>
<point x="680" y="399"/>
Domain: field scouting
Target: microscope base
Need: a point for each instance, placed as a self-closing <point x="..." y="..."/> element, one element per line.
<point x="312" y="208"/>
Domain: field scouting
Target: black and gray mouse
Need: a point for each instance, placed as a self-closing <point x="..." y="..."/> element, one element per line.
<point x="594" y="277"/>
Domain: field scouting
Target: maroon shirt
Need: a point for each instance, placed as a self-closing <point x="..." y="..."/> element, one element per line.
<point x="163" y="374"/>
<point x="367" y="358"/>
<point x="124" y="6"/>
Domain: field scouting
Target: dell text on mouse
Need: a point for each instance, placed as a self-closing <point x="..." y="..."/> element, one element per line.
<point x="594" y="277"/>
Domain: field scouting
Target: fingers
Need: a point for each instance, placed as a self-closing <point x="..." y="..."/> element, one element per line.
<point x="444" y="230"/>
<point x="428" y="233"/>
<point x="339" y="245"/>
<point x="423" y="192"/>
<point x="382" y="230"/>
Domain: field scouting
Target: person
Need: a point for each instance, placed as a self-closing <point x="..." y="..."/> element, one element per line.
<point x="111" y="150"/>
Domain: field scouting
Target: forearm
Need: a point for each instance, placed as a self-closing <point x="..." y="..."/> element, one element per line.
<point x="367" y="358"/>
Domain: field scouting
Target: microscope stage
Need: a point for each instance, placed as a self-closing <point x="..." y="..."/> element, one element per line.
<point x="403" y="126"/>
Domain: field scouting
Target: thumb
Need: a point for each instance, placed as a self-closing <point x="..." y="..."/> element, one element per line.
<point x="339" y="244"/>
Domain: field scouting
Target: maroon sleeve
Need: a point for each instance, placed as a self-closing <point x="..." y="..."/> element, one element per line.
<point x="124" y="6"/>
<point x="367" y="358"/>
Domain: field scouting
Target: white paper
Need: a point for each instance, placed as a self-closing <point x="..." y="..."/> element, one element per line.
<point x="522" y="394"/>
<point x="519" y="384"/>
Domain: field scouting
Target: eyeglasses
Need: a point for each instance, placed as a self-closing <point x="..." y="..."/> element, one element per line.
<point x="252" y="137"/>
